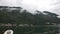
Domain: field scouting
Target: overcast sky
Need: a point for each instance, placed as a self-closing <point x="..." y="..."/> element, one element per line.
<point x="42" y="5"/>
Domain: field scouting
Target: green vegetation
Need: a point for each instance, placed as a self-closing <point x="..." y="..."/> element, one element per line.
<point x="15" y="16"/>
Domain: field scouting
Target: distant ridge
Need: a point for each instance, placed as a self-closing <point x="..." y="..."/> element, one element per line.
<point x="9" y="7"/>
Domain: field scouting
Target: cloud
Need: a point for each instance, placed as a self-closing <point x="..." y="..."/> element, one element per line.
<point x="49" y="5"/>
<point x="8" y="3"/>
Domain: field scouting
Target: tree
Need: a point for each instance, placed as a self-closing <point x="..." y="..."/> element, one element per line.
<point x="51" y="14"/>
<point x="52" y="17"/>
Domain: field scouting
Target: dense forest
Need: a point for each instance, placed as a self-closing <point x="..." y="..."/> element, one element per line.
<point x="15" y="15"/>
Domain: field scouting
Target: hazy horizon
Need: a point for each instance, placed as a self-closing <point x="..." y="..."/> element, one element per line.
<point x="32" y="5"/>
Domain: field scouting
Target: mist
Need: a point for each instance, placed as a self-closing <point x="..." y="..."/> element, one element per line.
<point x="32" y="5"/>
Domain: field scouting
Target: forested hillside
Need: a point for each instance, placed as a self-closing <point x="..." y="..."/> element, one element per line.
<point x="13" y="15"/>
